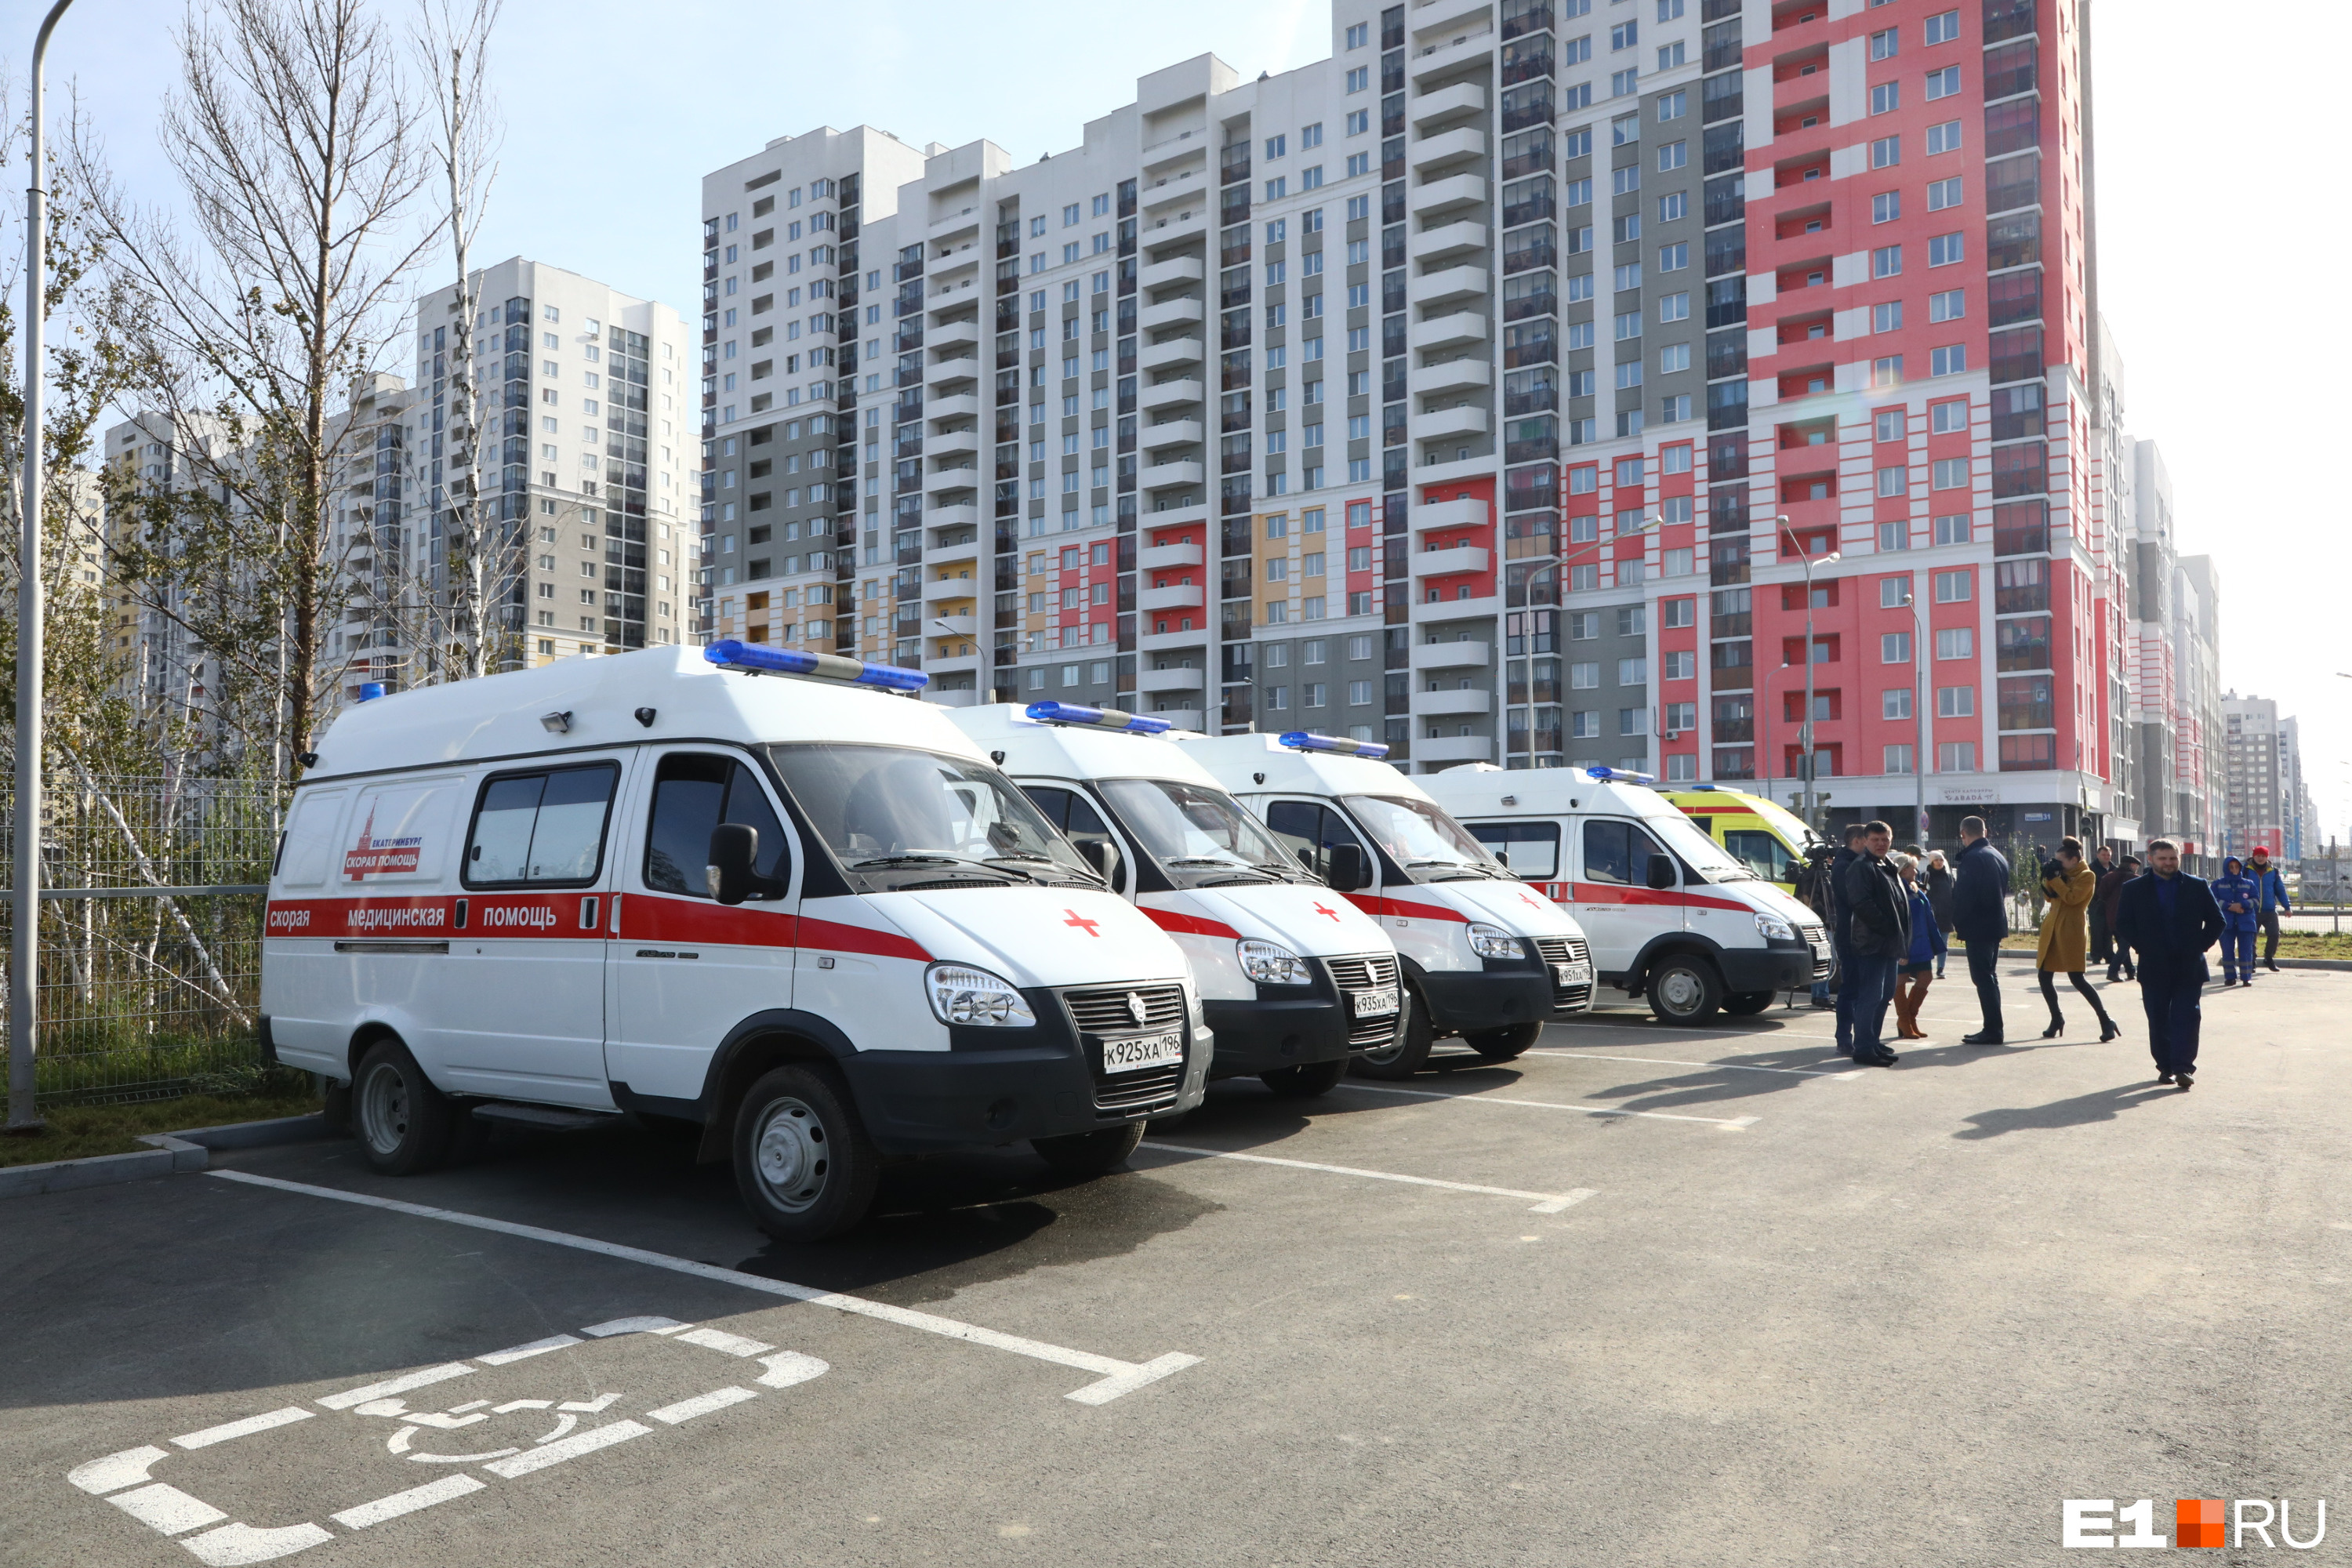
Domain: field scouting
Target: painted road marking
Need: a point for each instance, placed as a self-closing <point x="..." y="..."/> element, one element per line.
<point x="1113" y="1377"/>
<point x="208" y="1533"/>
<point x="1546" y="1203"/>
<point x="250" y="1424"/>
<point x="1738" y="1123"/>
<point x="1670" y="1062"/>
<point x="409" y="1501"/>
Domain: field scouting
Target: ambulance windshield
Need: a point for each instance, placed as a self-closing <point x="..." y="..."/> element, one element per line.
<point x="1197" y="830"/>
<point x="890" y="813"/>
<point x="1430" y="846"/>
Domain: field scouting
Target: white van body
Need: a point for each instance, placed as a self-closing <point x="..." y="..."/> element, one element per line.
<point x="573" y="955"/>
<point x="1713" y="935"/>
<point x="1432" y="911"/>
<point x="1160" y="810"/>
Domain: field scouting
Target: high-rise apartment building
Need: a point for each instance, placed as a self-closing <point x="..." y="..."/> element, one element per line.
<point x="2201" y="801"/>
<point x="1484" y="388"/>
<point x="2260" y="782"/>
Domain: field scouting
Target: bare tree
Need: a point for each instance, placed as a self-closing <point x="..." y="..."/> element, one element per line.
<point x="292" y="136"/>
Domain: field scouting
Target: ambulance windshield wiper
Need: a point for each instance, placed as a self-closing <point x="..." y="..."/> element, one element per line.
<point x="906" y="860"/>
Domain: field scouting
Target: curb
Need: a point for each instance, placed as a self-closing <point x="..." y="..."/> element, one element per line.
<point x="170" y="1152"/>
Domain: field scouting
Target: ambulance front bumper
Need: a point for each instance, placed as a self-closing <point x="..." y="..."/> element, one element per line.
<point x="1352" y="1005"/>
<point x="1506" y="992"/>
<point x="994" y="1086"/>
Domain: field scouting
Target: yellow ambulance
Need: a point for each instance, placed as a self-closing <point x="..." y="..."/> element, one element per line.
<point x="1771" y="838"/>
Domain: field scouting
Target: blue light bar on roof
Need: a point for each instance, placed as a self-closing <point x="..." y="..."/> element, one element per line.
<point x="754" y="660"/>
<point x="1300" y="741"/>
<point x="1099" y="718"/>
<point x="1620" y="775"/>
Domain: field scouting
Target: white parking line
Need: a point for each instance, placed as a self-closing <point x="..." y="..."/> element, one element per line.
<point x="1113" y="1377"/>
<point x="1546" y="1203"/>
<point x="1670" y="1062"/>
<point x="588" y="1442"/>
<point x="702" y="1405"/>
<point x="1736" y="1123"/>
<point x="409" y="1501"/>
<point x="245" y="1428"/>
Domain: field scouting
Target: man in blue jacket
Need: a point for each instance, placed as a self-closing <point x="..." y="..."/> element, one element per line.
<point x="2241" y="907"/>
<point x="1980" y="919"/>
<point x="2171" y="918"/>
<point x="2271" y="888"/>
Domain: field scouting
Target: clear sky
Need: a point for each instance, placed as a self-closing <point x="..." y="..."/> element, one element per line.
<point x="2215" y="264"/>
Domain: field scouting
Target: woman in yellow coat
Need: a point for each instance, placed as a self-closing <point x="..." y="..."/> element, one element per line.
<point x="2066" y="935"/>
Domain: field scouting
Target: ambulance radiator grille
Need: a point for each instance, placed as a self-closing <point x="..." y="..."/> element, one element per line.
<point x="1566" y="950"/>
<point x="1152" y="1089"/>
<point x="1109" y="1012"/>
<point x="1366" y="972"/>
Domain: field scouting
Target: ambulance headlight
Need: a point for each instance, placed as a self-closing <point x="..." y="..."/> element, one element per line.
<point x="1270" y="964"/>
<point x="962" y="994"/>
<point x="1773" y="928"/>
<point x="1493" y="941"/>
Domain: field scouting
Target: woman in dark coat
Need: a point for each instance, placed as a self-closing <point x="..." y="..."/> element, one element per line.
<point x="1939" y="898"/>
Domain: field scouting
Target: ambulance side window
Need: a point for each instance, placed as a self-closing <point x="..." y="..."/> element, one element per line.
<point x="1531" y="849"/>
<point x="1618" y="853"/>
<point x="1764" y="855"/>
<point x="540" y="829"/>
<point x="694" y="792"/>
<point x="1307" y="830"/>
<point x="1055" y="803"/>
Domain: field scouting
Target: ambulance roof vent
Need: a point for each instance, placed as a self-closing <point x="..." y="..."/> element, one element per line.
<point x="1300" y="741"/>
<point x="731" y="654"/>
<point x="1098" y="717"/>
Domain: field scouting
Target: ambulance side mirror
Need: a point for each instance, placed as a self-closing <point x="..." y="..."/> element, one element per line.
<point x="1348" y="873"/>
<point x="732" y="875"/>
<point x="1661" y="873"/>
<point x="1101" y="859"/>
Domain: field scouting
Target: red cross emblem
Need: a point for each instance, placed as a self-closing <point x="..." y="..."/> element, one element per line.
<point x="1077" y="920"/>
<point x="1333" y="913"/>
<point x="1529" y="900"/>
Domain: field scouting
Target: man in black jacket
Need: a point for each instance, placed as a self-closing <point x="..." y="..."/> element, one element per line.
<point x="1878" y="929"/>
<point x="1980" y="919"/>
<point x="1834" y="916"/>
<point x="2171" y="918"/>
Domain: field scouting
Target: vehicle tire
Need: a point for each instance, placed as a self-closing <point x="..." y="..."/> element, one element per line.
<point x="1503" y="1044"/>
<point x="803" y="1164"/>
<point x="1408" y="1052"/>
<point x="1089" y="1153"/>
<point x="402" y="1122"/>
<point x="1684" y="990"/>
<point x="1747" y="1004"/>
<point x="1306" y="1081"/>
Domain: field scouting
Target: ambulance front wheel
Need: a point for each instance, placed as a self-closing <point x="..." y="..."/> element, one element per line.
<point x="1504" y="1045"/>
<point x="403" y="1121"/>
<point x="1089" y="1153"/>
<point x="1407" y="1050"/>
<point x="802" y="1162"/>
<point x="1306" y="1081"/>
<point x="1684" y="990"/>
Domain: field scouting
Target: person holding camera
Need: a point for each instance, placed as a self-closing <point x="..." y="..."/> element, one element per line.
<point x="2064" y="947"/>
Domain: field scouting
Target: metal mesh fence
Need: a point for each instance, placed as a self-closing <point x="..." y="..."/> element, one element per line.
<point x="150" y="967"/>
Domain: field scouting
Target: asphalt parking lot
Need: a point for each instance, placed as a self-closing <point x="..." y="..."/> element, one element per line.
<point x="1645" y="1296"/>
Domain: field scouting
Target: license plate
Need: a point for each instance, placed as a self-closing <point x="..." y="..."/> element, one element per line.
<point x="1821" y="950"/>
<point x="1378" y="1004"/>
<point x="1567" y="974"/>
<point x="1142" y="1051"/>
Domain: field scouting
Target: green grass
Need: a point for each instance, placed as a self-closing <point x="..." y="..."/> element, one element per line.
<point x="78" y="1132"/>
<point x="2292" y="944"/>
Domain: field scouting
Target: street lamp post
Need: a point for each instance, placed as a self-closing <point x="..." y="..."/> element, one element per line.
<point x="1919" y="710"/>
<point x="25" y="965"/>
<point x="1805" y="729"/>
<point x="1649" y="523"/>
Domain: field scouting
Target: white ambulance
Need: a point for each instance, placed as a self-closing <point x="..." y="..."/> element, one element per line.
<point x="1672" y="914"/>
<point x="813" y="921"/>
<point x="1484" y="957"/>
<point x="1293" y="978"/>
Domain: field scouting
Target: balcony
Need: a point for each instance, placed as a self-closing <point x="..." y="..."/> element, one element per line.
<point x="1188" y="223"/>
<point x="1453" y="702"/>
<point x="1462" y="98"/>
<point x="1170" y="394"/>
<point x="1463" y="419"/>
<point x="1456" y="609"/>
<point x="1454" y="748"/>
<point x="1468" y="513"/>
<point x="1442" y="332"/>
<point x="1174" y="351"/>
<point x="963" y="334"/>
<point x="945" y="555"/>
<point x="1171" y="313"/>
<point x="952" y="697"/>
<point x="1151" y="642"/>
<point x="1452" y="655"/>
<point x="1445" y="563"/>
<point x="1167" y="475"/>
<point x="947" y="481"/>
<point x="1448" y="284"/>
<point x="1443" y="55"/>
<point x="1180" y="718"/>
<point x="1174" y="270"/>
<point x="962" y="406"/>
<point x="952" y="627"/>
<point x="952" y="443"/>
<point x="1158" y="680"/>
<point x="1179" y="596"/>
<point x="1448" y="240"/>
<point x="1454" y="374"/>
<point x="947" y="227"/>
<point x="948" y="590"/>
<point x="1448" y="194"/>
<point x="1173" y="433"/>
<point x="1449" y="147"/>
<point x="959" y="516"/>
<point x="1165" y="557"/>
<point x="940" y="670"/>
<point x="1434" y="15"/>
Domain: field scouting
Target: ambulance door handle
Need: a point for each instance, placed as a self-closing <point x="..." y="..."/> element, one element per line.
<point x="588" y="914"/>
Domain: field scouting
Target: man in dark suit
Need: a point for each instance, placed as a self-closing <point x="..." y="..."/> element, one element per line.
<point x="1980" y="919"/>
<point x="1878" y="934"/>
<point x="1855" y="833"/>
<point x="2170" y="918"/>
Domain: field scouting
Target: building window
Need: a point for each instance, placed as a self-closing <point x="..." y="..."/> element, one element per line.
<point x="1956" y="702"/>
<point x="1886" y="152"/>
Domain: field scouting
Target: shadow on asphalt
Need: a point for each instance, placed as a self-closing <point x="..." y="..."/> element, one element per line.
<point x="2100" y="1105"/>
